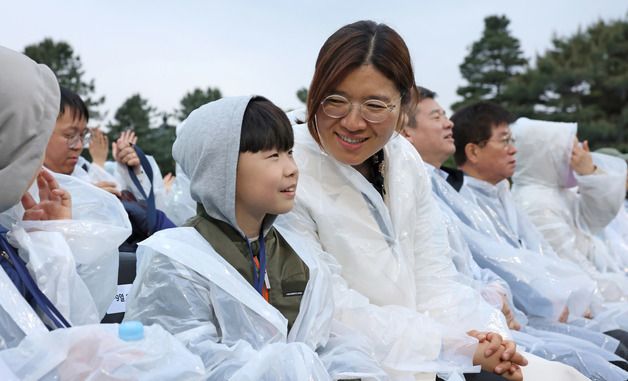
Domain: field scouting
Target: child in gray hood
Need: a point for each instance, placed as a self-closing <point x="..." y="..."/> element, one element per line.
<point x="249" y="298"/>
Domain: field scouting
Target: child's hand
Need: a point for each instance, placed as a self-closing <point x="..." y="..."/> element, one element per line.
<point x="123" y="151"/>
<point x="168" y="180"/>
<point x="54" y="203"/>
<point x="98" y="147"/>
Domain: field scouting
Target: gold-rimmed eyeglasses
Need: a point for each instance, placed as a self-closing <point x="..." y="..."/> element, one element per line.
<point x="372" y="110"/>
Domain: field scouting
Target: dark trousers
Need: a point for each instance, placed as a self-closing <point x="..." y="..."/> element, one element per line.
<point x="622" y="336"/>
<point x="622" y="349"/>
<point x="482" y="376"/>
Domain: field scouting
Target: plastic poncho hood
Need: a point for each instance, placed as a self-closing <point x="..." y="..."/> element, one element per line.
<point x="543" y="152"/>
<point x="207" y="150"/>
<point x="29" y="105"/>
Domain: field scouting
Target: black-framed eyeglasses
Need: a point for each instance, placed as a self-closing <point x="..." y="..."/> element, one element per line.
<point x="372" y="110"/>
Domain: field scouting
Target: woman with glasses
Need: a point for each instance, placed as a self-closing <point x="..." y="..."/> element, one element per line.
<point x="364" y="201"/>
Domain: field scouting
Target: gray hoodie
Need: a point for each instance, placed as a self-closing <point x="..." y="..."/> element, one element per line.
<point x="29" y="106"/>
<point x="207" y="150"/>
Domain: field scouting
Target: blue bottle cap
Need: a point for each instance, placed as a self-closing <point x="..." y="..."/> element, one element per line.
<point x="131" y="331"/>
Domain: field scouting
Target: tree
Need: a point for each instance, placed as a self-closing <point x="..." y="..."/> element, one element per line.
<point x="490" y="64"/>
<point x="302" y="94"/>
<point x="154" y="138"/>
<point x="135" y="114"/>
<point x="195" y="99"/>
<point x="582" y="78"/>
<point x="67" y="66"/>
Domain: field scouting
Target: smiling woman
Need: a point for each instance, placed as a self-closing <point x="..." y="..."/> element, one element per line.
<point x="374" y="71"/>
<point x="364" y="201"/>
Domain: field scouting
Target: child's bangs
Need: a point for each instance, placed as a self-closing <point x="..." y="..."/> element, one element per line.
<point x="265" y="127"/>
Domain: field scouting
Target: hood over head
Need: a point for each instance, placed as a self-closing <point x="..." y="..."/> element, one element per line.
<point x="29" y="106"/>
<point x="543" y="152"/>
<point x="207" y="150"/>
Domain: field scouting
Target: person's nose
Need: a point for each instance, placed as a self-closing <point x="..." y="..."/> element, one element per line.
<point x="290" y="168"/>
<point x="353" y="121"/>
<point x="78" y="145"/>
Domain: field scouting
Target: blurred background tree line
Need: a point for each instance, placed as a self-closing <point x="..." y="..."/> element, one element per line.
<point x="155" y="129"/>
<point x="581" y="78"/>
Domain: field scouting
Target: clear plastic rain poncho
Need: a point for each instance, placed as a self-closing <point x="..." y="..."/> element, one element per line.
<point x="393" y="277"/>
<point x="220" y="316"/>
<point x="539" y="294"/>
<point x="587" y="357"/>
<point x="92" y="173"/>
<point x="568" y="209"/>
<point x="542" y="284"/>
<point x="615" y="235"/>
<point x="496" y="201"/>
<point x="57" y="250"/>
<point x="69" y="259"/>
<point x="178" y="201"/>
<point x="184" y="285"/>
<point x="75" y="262"/>
<point x="95" y="352"/>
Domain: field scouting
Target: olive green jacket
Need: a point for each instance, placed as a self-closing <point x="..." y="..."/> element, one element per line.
<point x="287" y="273"/>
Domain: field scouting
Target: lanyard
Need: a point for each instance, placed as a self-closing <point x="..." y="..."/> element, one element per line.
<point x="259" y="273"/>
<point x="41" y="300"/>
<point x="151" y="212"/>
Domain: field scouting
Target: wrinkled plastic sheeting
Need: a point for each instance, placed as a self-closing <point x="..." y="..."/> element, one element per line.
<point x="17" y="318"/>
<point x="219" y="316"/>
<point x="90" y="240"/>
<point x="586" y="357"/>
<point x="179" y="203"/>
<point x="94" y="352"/>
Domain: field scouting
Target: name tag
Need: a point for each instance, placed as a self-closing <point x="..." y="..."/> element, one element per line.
<point x="119" y="300"/>
<point x="293" y="293"/>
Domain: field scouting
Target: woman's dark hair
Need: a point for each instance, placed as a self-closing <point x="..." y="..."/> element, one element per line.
<point x="265" y="127"/>
<point x="360" y="43"/>
<point x="474" y="124"/>
<point x="74" y="103"/>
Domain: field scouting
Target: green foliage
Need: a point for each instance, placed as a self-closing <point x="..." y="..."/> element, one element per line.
<point x="134" y="114"/>
<point x="302" y="94"/>
<point x="67" y="66"/>
<point x="582" y="78"/>
<point x="491" y="61"/>
<point x="155" y="139"/>
<point x="195" y="99"/>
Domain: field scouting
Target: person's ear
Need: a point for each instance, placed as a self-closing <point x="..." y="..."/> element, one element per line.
<point x="471" y="151"/>
<point x="405" y="134"/>
<point x="402" y="120"/>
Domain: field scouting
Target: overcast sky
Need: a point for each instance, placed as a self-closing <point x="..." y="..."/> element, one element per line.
<point x="162" y="49"/>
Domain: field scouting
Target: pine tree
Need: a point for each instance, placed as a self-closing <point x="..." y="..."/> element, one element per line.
<point x="68" y="67"/>
<point x="490" y="64"/>
<point x="195" y="99"/>
<point x="583" y="78"/>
